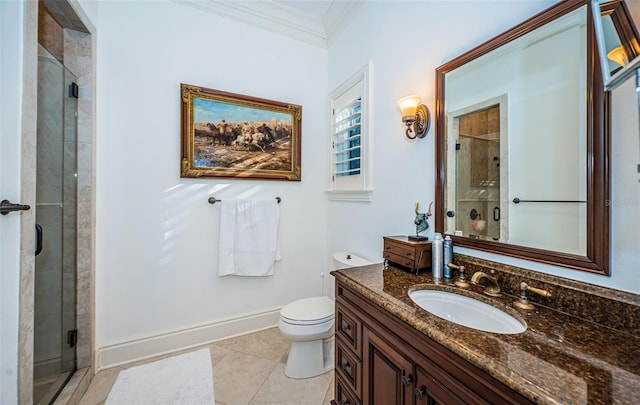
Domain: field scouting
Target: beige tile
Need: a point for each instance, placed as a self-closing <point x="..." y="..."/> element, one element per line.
<point x="330" y="394"/>
<point x="238" y="376"/>
<point x="217" y="354"/>
<point x="100" y="387"/>
<point x="268" y="344"/>
<point x="279" y="389"/>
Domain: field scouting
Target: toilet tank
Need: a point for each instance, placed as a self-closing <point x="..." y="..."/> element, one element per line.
<point x="343" y="260"/>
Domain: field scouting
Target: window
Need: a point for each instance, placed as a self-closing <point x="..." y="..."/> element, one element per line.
<point x="350" y="177"/>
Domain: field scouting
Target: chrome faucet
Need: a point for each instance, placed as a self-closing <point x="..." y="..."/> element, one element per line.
<point x="493" y="289"/>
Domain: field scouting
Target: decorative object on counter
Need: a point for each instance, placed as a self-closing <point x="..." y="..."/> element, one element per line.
<point x="447" y="247"/>
<point x="421" y="223"/>
<point x="436" y="256"/>
<point x="523" y="302"/>
<point x="406" y="253"/>
<point x="415" y="116"/>
<point x="237" y="136"/>
<point x="461" y="282"/>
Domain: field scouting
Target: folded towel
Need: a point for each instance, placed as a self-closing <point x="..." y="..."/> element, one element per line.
<point x="248" y="237"/>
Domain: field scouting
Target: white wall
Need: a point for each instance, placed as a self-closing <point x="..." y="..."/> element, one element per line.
<point x="157" y="237"/>
<point x="11" y="75"/>
<point x="405" y="43"/>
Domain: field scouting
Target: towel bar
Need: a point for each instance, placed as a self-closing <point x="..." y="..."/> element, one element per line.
<point x="213" y="200"/>
<point x="518" y="201"/>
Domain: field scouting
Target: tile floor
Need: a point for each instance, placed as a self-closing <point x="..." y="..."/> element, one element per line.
<point x="247" y="370"/>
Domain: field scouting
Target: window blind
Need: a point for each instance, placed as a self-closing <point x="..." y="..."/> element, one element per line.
<point x="347" y="143"/>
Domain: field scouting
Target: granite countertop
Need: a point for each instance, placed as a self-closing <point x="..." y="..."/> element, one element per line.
<point x="559" y="359"/>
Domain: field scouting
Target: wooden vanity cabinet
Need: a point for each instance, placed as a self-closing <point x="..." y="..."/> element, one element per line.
<point x="385" y="362"/>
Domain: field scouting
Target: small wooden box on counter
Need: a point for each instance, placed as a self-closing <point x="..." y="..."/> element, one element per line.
<point x="414" y="255"/>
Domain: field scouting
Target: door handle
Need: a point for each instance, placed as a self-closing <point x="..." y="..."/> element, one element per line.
<point x="7" y="206"/>
<point x="38" y="239"/>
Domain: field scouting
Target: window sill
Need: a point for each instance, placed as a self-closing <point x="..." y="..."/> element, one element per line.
<point x="350" y="195"/>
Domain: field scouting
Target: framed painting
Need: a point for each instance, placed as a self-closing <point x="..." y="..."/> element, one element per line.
<point x="237" y="136"/>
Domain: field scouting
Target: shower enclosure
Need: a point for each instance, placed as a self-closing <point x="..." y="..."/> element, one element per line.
<point x="477" y="184"/>
<point x="55" y="333"/>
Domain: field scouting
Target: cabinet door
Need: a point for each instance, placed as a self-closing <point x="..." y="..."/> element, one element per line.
<point x="388" y="377"/>
<point x="430" y="391"/>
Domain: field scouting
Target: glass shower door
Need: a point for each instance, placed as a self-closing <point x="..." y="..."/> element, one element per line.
<point x="478" y="158"/>
<point x="56" y="194"/>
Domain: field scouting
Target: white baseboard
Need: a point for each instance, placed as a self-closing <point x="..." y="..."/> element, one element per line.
<point x="140" y="349"/>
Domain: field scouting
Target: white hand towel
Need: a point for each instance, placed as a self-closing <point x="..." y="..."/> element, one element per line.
<point x="248" y="237"/>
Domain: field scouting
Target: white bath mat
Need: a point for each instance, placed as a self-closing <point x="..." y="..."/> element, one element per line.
<point x="185" y="379"/>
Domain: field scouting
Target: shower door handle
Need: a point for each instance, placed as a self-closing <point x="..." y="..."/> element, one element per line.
<point x="7" y="206"/>
<point x="496" y="214"/>
<point x="38" y="239"/>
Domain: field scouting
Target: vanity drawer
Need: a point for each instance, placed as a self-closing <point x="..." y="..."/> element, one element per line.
<point x="395" y="248"/>
<point x="397" y="259"/>
<point x="343" y="395"/>
<point x="348" y="329"/>
<point x="348" y="367"/>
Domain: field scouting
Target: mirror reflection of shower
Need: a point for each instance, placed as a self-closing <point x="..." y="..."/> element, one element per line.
<point x="478" y="174"/>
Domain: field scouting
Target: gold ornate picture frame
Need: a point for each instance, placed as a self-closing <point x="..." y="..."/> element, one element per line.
<point x="237" y="136"/>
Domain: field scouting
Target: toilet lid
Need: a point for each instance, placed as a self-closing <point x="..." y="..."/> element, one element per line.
<point x="309" y="310"/>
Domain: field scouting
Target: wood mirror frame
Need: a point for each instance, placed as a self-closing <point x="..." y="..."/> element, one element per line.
<point x="597" y="132"/>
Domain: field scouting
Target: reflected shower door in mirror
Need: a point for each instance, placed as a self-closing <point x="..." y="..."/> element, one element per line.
<point x="478" y="146"/>
<point x="522" y="146"/>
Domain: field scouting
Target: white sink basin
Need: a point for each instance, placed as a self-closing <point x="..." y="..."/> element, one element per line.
<point x="467" y="311"/>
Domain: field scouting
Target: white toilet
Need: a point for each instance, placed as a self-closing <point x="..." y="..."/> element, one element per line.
<point x="308" y="323"/>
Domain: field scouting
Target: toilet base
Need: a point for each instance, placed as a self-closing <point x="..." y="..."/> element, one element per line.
<point x="309" y="359"/>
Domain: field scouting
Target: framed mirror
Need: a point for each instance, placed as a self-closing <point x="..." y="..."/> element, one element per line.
<point x="522" y="143"/>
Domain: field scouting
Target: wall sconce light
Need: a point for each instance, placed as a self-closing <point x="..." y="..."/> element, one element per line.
<point x="415" y="116"/>
<point x="619" y="56"/>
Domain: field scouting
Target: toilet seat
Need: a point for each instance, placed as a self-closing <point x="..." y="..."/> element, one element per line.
<point x="309" y="322"/>
<point x="308" y="311"/>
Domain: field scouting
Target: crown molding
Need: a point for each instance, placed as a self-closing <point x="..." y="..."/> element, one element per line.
<point x="278" y="17"/>
<point x="267" y="15"/>
<point x="335" y="18"/>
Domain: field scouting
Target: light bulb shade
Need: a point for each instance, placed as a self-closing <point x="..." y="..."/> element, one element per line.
<point x="408" y="105"/>
<point x="619" y="56"/>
